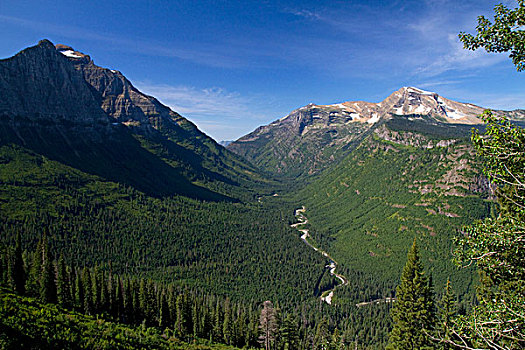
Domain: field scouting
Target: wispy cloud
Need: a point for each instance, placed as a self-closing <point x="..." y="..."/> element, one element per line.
<point x="305" y="14"/>
<point x="187" y="99"/>
<point x="507" y="101"/>
<point x="222" y="114"/>
<point x="455" y="57"/>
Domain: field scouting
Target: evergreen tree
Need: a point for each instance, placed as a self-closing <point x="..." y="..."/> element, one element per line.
<point x="33" y="278"/>
<point x="87" y="302"/>
<point x="48" y="292"/>
<point x="227" y="323"/>
<point x="289" y="333"/>
<point x="181" y="322"/>
<point x="322" y="335"/>
<point x="137" y="312"/>
<point x="3" y="264"/>
<point x="128" y="302"/>
<point x="110" y="297"/>
<point x="413" y="310"/>
<point x="79" y="291"/>
<point x="337" y="340"/>
<point x="118" y="298"/>
<point x="195" y="320"/>
<point x="447" y="311"/>
<point x="104" y="297"/>
<point x="143" y="300"/>
<point x="96" y="281"/>
<point x="17" y="275"/>
<point x="63" y="284"/>
<point x="164" y="313"/>
<point x="217" y="322"/>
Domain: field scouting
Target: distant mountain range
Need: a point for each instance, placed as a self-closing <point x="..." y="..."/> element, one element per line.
<point x="312" y="137"/>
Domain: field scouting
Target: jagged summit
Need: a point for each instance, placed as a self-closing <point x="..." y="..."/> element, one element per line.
<point x="407" y="101"/>
<point x="413" y="101"/>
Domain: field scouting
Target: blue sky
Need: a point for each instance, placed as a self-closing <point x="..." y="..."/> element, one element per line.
<point x="230" y="66"/>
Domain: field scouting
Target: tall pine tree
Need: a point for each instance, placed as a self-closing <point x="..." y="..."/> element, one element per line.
<point x="413" y="312"/>
<point x="17" y="275"/>
<point x="48" y="291"/>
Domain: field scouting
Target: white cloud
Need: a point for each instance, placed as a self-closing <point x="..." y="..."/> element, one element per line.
<point x="190" y="100"/>
<point x="502" y="101"/>
<point x="455" y="57"/>
<point x="305" y="13"/>
<point x="222" y="114"/>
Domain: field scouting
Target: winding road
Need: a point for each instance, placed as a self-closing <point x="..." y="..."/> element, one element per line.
<point x="328" y="294"/>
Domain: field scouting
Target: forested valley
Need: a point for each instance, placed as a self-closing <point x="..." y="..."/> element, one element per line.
<point x="123" y="226"/>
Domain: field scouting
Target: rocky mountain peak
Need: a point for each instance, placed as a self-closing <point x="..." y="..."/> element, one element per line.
<point x="411" y="101"/>
<point x="45" y="44"/>
<point x="40" y="83"/>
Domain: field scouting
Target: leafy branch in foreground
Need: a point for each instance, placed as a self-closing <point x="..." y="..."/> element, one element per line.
<point x="497" y="246"/>
<point x="504" y="35"/>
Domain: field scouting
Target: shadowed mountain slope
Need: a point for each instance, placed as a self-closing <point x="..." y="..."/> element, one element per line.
<point x="58" y="103"/>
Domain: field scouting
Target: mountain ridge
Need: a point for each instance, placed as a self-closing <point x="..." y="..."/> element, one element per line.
<point x="312" y="137"/>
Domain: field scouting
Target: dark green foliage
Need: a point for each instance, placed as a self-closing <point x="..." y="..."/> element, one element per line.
<point x="322" y="336"/>
<point x="17" y="275"/>
<point x="48" y="292"/>
<point x="35" y="268"/>
<point x="367" y="209"/>
<point x="496" y="245"/>
<point x="506" y="34"/>
<point x="188" y="314"/>
<point x="87" y="302"/>
<point x="289" y="333"/>
<point x="63" y="284"/>
<point x="224" y="247"/>
<point x="447" y="312"/>
<point x="28" y="324"/>
<point x="413" y="311"/>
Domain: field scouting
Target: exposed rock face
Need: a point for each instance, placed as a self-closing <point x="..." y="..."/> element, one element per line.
<point x="312" y="137"/>
<point x="296" y="144"/>
<point x="41" y="83"/>
<point x="412" y="101"/>
<point x="124" y="103"/>
<point x="408" y="138"/>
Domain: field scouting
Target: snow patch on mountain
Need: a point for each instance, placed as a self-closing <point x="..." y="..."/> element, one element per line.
<point x="374" y="119"/>
<point x="455" y="115"/>
<point x="420" y="109"/>
<point x="70" y="53"/>
<point x="419" y="91"/>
